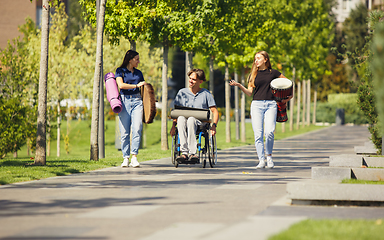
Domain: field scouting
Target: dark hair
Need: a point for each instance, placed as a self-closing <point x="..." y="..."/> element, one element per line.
<point x="130" y="54"/>
<point x="199" y="73"/>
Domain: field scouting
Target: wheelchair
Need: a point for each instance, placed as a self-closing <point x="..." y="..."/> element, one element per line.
<point x="206" y="147"/>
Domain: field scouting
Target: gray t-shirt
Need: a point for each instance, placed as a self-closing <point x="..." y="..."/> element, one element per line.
<point x="202" y="99"/>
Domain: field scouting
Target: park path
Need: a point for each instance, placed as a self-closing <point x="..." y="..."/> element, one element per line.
<point x="158" y="201"/>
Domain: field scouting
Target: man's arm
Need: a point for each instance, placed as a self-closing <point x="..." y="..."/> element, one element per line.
<point x="215" y="119"/>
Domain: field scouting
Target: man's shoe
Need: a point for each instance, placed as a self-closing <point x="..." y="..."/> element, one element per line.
<point x="134" y="163"/>
<point x="194" y="159"/>
<point x="182" y="158"/>
<point x="125" y="162"/>
<point x="261" y="164"/>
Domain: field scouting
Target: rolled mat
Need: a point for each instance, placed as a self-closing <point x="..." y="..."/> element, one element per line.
<point x="202" y="115"/>
<point x="113" y="95"/>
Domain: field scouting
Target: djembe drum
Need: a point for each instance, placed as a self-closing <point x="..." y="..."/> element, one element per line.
<point x="281" y="89"/>
<point x="149" y="103"/>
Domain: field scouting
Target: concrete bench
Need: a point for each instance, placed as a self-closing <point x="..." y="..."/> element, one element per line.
<point x="346" y="160"/>
<point x="307" y="192"/>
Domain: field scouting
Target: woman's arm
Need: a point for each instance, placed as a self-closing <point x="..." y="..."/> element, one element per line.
<point x="122" y="85"/>
<point x="247" y="91"/>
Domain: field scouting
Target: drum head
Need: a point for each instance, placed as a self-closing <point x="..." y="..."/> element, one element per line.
<point x="149" y="103"/>
<point x="281" y="83"/>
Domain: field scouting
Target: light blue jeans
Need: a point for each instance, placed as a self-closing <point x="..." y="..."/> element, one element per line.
<point x="131" y="119"/>
<point x="263" y="116"/>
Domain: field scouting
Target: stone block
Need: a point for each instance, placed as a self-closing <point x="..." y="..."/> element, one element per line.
<point x="363" y="150"/>
<point x="328" y="191"/>
<point x="374" y="161"/>
<point x="369" y="174"/>
<point x="345" y="160"/>
<point x="334" y="173"/>
<point x="369" y="144"/>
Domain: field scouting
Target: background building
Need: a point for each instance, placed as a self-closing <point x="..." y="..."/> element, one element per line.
<point x="344" y="7"/>
<point x="13" y="14"/>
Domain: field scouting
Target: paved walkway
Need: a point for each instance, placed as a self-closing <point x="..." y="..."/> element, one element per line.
<point x="158" y="201"/>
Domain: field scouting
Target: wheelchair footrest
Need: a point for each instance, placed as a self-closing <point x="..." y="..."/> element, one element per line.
<point x="187" y="161"/>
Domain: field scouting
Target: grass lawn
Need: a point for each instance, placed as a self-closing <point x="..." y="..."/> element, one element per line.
<point x="333" y="230"/>
<point x="77" y="160"/>
<point x="357" y="181"/>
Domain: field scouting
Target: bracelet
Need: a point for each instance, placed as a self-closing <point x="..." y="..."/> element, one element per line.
<point x="136" y="86"/>
<point x="214" y="124"/>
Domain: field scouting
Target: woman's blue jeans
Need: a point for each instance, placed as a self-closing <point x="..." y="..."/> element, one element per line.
<point x="263" y="116"/>
<point x="131" y="120"/>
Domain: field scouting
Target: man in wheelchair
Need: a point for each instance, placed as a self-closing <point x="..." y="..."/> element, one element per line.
<point x="195" y="97"/>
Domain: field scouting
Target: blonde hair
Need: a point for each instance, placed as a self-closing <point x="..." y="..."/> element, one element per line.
<point x="254" y="69"/>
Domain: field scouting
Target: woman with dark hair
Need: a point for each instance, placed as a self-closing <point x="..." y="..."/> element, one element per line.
<point x="263" y="106"/>
<point x="129" y="79"/>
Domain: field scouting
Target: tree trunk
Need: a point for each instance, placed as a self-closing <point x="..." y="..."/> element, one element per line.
<point x="188" y="66"/>
<point x="133" y="44"/>
<point x="292" y="101"/>
<point x="49" y="129"/>
<point x="314" y="107"/>
<point x="211" y="76"/>
<point x="304" y="100"/>
<point x="164" y="110"/>
<point x="58" y="129"/>
<point x="40" y="157"/>
<point x="298" y="105"/>
<point x="227" y="105"/>
<point x="66" y="138"/>
<point x="237" y="120"/>
<point x="96" y="85"/>
<point x="292" y="107"/>
<point x="144" y="136"/>
<point x="308" y="102"/>
<point x="243" y="137"/>
<point x="101" y="136"/>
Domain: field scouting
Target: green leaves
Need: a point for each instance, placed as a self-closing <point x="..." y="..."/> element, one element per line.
<point x="377" y="69"/>
<point x="14" y="125"/>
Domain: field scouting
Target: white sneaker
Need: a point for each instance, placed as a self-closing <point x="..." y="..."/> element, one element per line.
<point x="269" y="162"/>
<point x="134" y="163"/>
<point x="261" y="164"/>
<point x="125" y="162"/>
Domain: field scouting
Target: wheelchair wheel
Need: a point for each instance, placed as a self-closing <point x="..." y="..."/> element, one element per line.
<point x="175" y="149"/>
<point x="202" y="150"/>
<point x="212" y="150"/>
<point x="202" y="154"/>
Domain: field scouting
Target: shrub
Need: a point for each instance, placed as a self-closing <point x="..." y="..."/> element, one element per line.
<point x="326" y="111"/>
<point x="14" y="125"/>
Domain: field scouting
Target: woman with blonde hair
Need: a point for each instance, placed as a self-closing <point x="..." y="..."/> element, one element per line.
<point x="263" y="106"/>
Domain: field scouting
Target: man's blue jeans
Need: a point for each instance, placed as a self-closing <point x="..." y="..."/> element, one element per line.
<point x="263" y="116"/>
<point x="131" y="119"/>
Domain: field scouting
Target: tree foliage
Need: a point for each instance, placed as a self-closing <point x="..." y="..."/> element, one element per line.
<point x="18" y="94"/>
<point x="337" y="82"/>
<point x="301" y="36"/>
<point x="378" y="70"/>
<point x="366" y="90"/>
